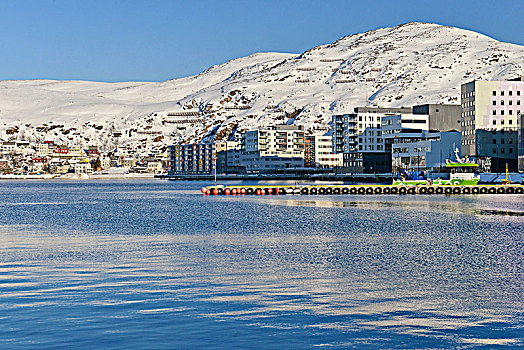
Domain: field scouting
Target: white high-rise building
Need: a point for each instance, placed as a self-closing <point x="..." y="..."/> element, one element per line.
<point x="319" y="152"/>
<point x="274" y="147"/>
<point x="489" y="118"/>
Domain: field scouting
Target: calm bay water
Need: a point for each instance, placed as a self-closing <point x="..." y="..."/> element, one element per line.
<point x="153" y="264"/>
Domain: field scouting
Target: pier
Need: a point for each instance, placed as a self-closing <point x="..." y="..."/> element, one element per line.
<point x="368" y="190"/>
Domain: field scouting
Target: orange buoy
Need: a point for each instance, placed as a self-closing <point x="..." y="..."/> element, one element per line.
<point x="269" y="190"/>
<point x="227" y="191"/>
<point x="215" y="191"/>
<point x="234" y="191"/>
<point x="208" y="191"/>
<point x="243" y="191"/>
<point x="276" y="190"/>
<point x="258" y="192"/>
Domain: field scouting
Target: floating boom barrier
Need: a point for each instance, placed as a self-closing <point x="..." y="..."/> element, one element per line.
<point x="360" y="190"/>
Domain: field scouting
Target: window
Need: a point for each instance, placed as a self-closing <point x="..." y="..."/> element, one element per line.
<point x="518" y="93"/>
<point x="510" y="92"/>
<point x="510" y="112"/>
<point x="502" y="112"/>
<point x="502" y="150"/>
<point x="518" y="102"/>
<point x="510" y="150"/>
<point x="501" y="141"/>
<point x="502" y="93"/>
<point x="495" y="150"/>
<point x="494" y="141"/>
<point x="494" y="122"/>
<point x="494" y="103"/>
<point x="510" y="141"/>
<point x="502" y="122"/>
<point x="502" y="103"/>
<point x="494" y="93"/>
<point x="494" y="112"/>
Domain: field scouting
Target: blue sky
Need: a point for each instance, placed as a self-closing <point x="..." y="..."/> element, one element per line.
<point x="156" y="40"/>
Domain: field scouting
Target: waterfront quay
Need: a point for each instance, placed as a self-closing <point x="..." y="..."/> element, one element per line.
<point x="380" y="178"/>
<point x="360" y="190"/>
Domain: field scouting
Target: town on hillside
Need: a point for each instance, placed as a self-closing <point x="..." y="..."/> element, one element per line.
<point x="487" y="128"/>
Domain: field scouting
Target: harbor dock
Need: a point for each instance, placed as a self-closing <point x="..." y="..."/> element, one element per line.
<point x="360" y="190"/>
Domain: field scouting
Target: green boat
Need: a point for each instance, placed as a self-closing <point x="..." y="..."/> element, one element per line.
<point x="461" y="173"/>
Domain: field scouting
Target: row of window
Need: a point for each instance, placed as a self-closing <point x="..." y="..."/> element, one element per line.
<point x="370" y="148"/>
<point x="510" y="122"/>
<point x="510" y="93"/>
<point x="368" y="118"/>
<point x="510" y="102"/>
<point x="417" y="149"/>
<point x="510" y="112"/>
<point x="510" y="150"/>
<point x="510" y="141"/>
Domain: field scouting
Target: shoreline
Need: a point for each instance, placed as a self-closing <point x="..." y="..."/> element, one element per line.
<point x="76" y="177"/>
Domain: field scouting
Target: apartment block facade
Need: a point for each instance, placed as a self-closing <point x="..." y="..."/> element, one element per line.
<point x="192" y="159"/>
<point x="318" y="152"/>
<point x="487" y="109"/>
<point x="273" y="148"/>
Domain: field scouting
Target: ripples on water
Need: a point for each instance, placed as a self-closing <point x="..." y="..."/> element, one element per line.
<point x="153" y="264"/>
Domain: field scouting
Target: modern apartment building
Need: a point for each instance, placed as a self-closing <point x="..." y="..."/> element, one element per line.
<point x="229" y="154"/>
<point x="318" y="152"/>
<point x="272" y="148"/>
<point x="429" y="152"/>
<point x="192" y="159"/>
<point x="493" y="107"/>
<point x="360" y="136"/>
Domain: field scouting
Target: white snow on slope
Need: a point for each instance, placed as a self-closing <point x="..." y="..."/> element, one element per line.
<point x="405" y="65"/>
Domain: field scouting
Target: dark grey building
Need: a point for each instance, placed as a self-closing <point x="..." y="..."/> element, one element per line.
<point x="497" y="148"/>
<point x="521" y="142"/>
<point x="442" y="117"/>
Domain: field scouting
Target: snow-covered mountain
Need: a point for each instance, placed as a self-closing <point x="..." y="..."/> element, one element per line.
<point x="405" y="65"/>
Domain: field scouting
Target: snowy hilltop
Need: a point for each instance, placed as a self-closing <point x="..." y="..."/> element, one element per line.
<point x="409" y="64"/>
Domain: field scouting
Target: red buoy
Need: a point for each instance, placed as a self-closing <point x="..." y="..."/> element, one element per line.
<point x="258" y="192"/>
<point x="269" y="190"/>
<point x="276" y="190"/>
<point x="215" y="191"/>
<point x="234" y="191"/>
<point x="243" y="191"/>
<point x="203" y="190"/>
<point x="227" y="191"/>
<point x="262" y="192"/>
<point x="208" y="191"/>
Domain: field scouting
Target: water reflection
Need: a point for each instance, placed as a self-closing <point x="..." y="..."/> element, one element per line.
<point x="387" y="202"/>
<point x="434" y="273"/>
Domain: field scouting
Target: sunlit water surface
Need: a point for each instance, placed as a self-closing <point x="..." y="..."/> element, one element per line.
<point x="154" y="264"/>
